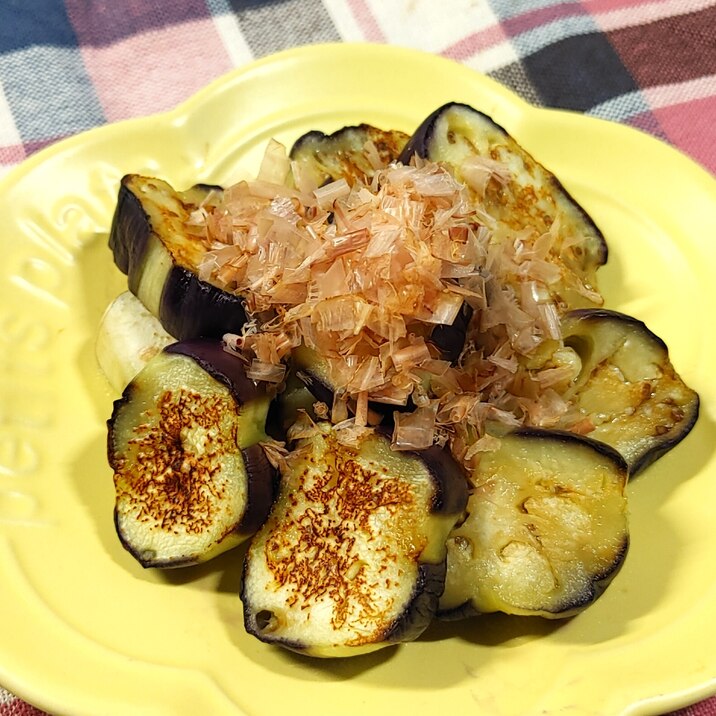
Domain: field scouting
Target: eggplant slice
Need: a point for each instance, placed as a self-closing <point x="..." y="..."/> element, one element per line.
<point x="546" y="528"/>
<point x="152" y="243"/>
<point x="128" y="337"/>
<point x="352" y="557"/>
<point x="191" y="479"/>
<point x="351" y="153"/>
<point x="530" y="197"/>
<point x="627" y="386"/>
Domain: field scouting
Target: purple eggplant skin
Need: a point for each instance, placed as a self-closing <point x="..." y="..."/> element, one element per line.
<point x="451" y="486"/>
<point x="421" y="143"/>
<point x="221" y="365"/>
<point x="187" y="306"/>
<point x="219" y="313"/>
<point x="423" y="607"/>
<point x="129" y="220"/>
<point x="262" y="489"/>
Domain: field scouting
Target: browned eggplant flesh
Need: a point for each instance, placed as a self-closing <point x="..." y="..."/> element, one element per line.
<point x="350" y="153"/>
<point x="190" y="477"/>
<point x="352" y="557"/>
<point x="546" y="528"/>
<point x="628" y="388"/>
<point x="515" y="193"/>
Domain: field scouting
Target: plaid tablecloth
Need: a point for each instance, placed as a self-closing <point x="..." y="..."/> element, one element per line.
<point x="69" y="66"/>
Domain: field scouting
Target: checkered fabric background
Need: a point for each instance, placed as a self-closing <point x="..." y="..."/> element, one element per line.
<point x="66" y="67"/>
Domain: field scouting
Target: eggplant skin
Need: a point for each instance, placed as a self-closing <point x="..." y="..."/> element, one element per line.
<point x="352" y="557"/>
<point x="450" y="340"/>
<point x="191" y="478"/>
<point x="424" y="604"/>
<point x="161" y="261"/>
<point x="192" y="308"/>
<point x="546" y="528"/>
<point x="628" y="386"/>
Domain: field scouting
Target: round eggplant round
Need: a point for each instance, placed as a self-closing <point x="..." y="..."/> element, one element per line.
<point x="546" y="528"/>
<point x="190" y="476"/>
<point x="352" y="557"/>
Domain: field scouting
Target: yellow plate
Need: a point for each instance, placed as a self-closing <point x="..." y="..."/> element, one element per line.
<point x="84" y="630"/>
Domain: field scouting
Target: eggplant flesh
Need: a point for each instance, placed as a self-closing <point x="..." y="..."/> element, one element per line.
<point x="322" y="158"/>
<point x="627" y="386"/>
<point x="191" y="479"/>
<point x="546" y="528"/>
<point x="521" y="195"/>
<point x="153" y="244"/>
<point x="352" y="557"/>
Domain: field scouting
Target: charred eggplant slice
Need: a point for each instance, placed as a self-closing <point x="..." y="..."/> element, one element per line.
<point x="351" y="153"/>
<point x="516" y="192"/>
<point x="152" y="244"/>
<point x="628" y="387"/>
<point x="191" y="479"/>
<point x="352" y="557"/>
<point x="546" y="528"/>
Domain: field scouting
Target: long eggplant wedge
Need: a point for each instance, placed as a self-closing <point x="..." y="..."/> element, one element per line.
<point x="352" y="557"/>
<point x="151" y="243"/>
<point x="128" y="337"/>
<point x="546" y="528"/>
<point x="516" y="194"/>
<point x="627" y="387"/>
<point x="191" y="478"/>
<point x="350" y="153"/>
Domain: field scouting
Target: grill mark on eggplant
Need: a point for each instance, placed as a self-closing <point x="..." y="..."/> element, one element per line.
<point x="319" y="546"/>
<point x="191" y="479"/>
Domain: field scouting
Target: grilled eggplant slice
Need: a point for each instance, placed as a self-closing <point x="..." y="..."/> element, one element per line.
<point x="352" y="557"/>
<point x="471" y="144"/>
<point x="127" y="339"/>
<point x="151" y="243"/>
<point x="627" y="386"/>
<point x="350" y="153"/>
<point x="191" y="479"/>
<point x="546" y="529"/>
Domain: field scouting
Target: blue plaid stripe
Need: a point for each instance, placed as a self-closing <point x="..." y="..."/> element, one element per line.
<point x="24" y="23"/>
<point x="49" y="92"/>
